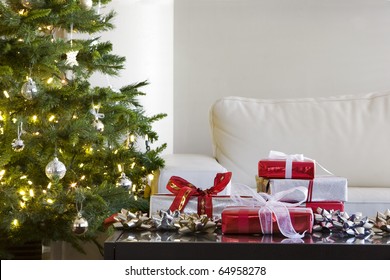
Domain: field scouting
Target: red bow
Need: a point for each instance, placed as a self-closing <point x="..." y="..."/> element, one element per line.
<point x="184" y="190"/>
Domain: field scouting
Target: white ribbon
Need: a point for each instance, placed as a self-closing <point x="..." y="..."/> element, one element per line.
<point x="270" y="205"/>
<point x="96" y="113"/>
<point x="290" y="158"/>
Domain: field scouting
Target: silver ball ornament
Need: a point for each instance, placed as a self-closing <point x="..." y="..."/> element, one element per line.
<point x="98" y="125"/>
<point x="80" y="225"/>
<point x="55" y="169"/>
<point x="124" y="182"/>
<point x="86" y="4"/>
<point x="17" y="145"/>
<point x="29" y="89"/>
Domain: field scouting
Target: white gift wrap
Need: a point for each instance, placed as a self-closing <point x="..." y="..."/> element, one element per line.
<point x="163" y="202"/>
<point x="325" y="188"/>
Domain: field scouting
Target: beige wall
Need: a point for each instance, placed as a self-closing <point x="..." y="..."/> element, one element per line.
<point x="273" y="49"/>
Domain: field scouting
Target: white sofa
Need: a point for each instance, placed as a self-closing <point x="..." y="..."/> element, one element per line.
<point x="349" y="135"/>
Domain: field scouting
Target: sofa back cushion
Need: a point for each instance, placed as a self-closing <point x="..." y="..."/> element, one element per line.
<point x="349" y="135"/>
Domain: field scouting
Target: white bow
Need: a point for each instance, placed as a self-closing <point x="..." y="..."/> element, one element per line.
<point x="293" y="157"/>
<point x="270" y="205"/>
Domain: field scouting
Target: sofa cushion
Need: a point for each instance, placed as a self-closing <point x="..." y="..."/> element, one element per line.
<point x="349" y="135"/>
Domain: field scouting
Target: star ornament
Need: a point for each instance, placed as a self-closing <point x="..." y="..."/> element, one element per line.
<point x="71" y="58"/>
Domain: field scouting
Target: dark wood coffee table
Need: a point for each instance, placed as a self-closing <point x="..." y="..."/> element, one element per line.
<point x="126" y="245"/>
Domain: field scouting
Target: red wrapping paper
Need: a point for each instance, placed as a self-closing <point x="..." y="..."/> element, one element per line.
<point x="245" y="220"/>
<point x="327" y="205"/>
<point x="246" y="238"/>
<point x="276" y="169"/>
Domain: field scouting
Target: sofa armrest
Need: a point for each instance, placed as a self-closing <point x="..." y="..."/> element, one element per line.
<point x="200" y="170"/>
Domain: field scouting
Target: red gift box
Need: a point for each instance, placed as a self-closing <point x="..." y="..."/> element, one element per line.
<point x="246" y="238"/>
<point x="245" y="220"/>
<point x="279" y="169"/>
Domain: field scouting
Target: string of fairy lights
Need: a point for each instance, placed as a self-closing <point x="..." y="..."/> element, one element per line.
<point x="55" y="169"/>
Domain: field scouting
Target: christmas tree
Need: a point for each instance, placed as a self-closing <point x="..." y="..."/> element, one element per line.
<point x="71" y="154"/>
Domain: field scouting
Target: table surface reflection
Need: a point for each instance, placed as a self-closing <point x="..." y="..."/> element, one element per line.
<point x="126" y="244"/>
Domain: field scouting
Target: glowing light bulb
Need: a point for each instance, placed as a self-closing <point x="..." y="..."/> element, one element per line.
<point x="50" y="201"/>
<point x="31" y="192"/>
<point x="51" y="118"/>
<point x="6" y="94"/>
<point x="15" y="222"/>
<point x="132" y="138"/>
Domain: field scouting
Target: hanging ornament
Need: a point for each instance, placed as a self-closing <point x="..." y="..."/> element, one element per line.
<point x="71" y="58"/>
<point x="147" y="143"/>
<point x="80" y="224"/>
<point x="97" y="123"/>
<point x="17" y="144"/>
<point x="86" y="4"/>
<point x="124" y="182"/>
<point x="55" y="169"/>
<point x="29" y="89"/>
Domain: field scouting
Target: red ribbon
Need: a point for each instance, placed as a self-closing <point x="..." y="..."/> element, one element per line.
<point x="310" y="191"/>
<point x="184" y="190"/>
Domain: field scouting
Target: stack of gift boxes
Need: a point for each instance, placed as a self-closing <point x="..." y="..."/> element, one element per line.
<point x="280" y="172"/>
<point x="290" y="215"/>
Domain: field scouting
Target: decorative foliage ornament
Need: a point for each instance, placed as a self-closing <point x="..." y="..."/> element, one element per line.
<point x="86" y="4"/>
<point x="29" y="89"/>
<point x="80" y="225"/>
<point x="55" y="169"/>
<point x="124" y="182"/>
<point x="71" y="58"/>
<point x="17" y="144"/>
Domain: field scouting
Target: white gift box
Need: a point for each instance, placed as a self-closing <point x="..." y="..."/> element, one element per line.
<point x="199" y="170"/>
<point x="324" y="188"/>
<point x="163" y="202"/>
